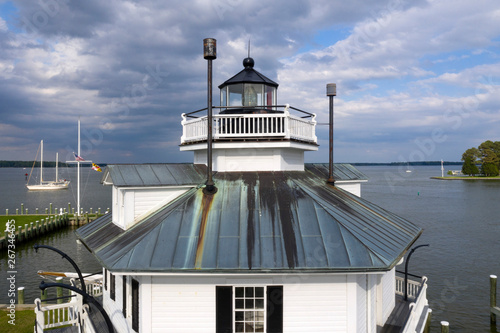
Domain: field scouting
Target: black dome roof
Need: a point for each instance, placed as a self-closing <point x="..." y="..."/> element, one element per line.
<point x="249" y="75"/>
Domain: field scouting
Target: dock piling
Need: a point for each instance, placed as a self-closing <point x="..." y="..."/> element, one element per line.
<point x="20" y="295"/>
<point x="43" y="296"/>
<point x="59" y="291"/>
<point x="494" y="310"/>
<point x="50" y="208"/>
<point x="7" y="212"/>
<point x="22" y="209"/>
<point x="445" y="327"/>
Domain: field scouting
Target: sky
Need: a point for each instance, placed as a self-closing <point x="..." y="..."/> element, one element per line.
<point x="416" y="80"/>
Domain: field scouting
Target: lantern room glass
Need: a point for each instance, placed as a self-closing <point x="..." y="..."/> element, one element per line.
<point x="248" y="94"/>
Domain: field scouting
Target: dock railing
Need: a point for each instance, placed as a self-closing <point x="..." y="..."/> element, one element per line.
<point x="278" y="124"/>
<point x="49" y="316"/>
<point x="74" y="312"/>
<point x="419" y="306"/>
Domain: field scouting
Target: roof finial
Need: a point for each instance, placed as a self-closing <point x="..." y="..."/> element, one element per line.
<point x="248" y="62"/>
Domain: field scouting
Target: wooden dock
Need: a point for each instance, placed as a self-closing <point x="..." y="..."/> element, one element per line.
<point x="37" y="228"/>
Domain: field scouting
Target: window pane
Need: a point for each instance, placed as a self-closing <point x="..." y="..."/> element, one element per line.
<point x="249" y="304"/>
<point x="240" y="315"/>
<point x="259" y="303"/>
<point x="259" y="316"/>
<point x="239" y="291"/>
<point x="249" y="327"/>
<point x="240" y="327"/>
<point x="249" y="316"/>
<point x="249" y="292"/>
<point x="239" y="304"/>
<point x="259" y="327"/>
<point x="235" y="94"/>
<point x="259" y="292"/>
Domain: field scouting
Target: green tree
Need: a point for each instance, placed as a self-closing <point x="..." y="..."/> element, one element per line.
<point x="473" y="154"/>
<point x="489" y="169"/>
<point x="469" y="168"/>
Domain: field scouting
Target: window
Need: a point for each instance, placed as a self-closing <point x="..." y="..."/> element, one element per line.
<point x="124" y="296"/>
<point x="249" y="309"/>
<point x="105" y="279"/>
<point x="112" y="286"/>
<point x="135" y="305"/>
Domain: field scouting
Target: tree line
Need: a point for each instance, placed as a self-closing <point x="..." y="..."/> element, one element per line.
<point x="486" y="155"/>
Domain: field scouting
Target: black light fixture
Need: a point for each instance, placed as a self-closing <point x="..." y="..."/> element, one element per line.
<point x="209" y="53"/>
<point x="86" y="297"/>
<point x="406" y="268"/>
<point x="331" y="91"/>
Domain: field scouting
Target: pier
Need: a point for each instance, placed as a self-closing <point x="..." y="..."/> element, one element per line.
<point x="31" y="226"/>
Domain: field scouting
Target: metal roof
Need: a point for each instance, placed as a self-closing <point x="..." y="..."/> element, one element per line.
<point x="137" y="175"/>
<point x="154" y="174"/>
<point x="249" y="75"/>
<point x="257" y="222"/>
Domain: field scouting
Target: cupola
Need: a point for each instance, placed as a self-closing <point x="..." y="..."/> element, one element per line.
<point x="251" y="132"/>
<point x="248" y="92"/>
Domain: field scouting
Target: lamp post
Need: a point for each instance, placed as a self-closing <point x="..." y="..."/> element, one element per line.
<point x="65" y="256"/>
<point x="406" y="268"/>
<point x="87" y="298"/>
<point x="331" y="91"/>
<point x="209" y="53"/>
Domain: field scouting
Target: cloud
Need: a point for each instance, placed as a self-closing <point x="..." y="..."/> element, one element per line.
<point x="129" y="69"/>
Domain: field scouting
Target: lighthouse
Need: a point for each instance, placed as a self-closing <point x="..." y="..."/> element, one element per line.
<point x="251" y="131"/>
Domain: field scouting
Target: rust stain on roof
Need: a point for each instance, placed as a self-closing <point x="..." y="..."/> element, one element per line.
<point x="206" y="204"/>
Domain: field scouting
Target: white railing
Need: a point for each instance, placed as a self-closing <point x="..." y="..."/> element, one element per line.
<point x="49" y="316"/>
<point x="73" y="313"/>
<point x="416" y="320"/>
<point x="277" y="125"/>
<point x="413" y="287"/>
<point x="94" y="288"/>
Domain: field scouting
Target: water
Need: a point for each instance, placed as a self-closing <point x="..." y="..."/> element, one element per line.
<point x="13" y="192"/>
<point x="461" y="222"/>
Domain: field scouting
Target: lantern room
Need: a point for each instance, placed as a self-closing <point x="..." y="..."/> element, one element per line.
<point x="248" y="92"/>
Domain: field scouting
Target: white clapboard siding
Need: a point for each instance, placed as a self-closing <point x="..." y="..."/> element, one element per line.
<point x="315" y="307"/>
<point x="183" y="308"/>
<point x="150" y="198"/>
<point x="373" y="303"/>
<point x="352" y="187"/>
<point x="389" y="295"/>
<point x="130" y="204"/>
<point x="114" y="308"/>
<point x="361" y="298"/>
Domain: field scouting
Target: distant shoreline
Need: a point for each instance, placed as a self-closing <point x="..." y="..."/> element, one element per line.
<point x="466" y="178"/>
<point x="29" y="164"/>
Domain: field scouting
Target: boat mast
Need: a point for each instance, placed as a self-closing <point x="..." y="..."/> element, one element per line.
<point x="78" y="172"/>
<point x="57" y="166"/>
<point x="41" y="164"/>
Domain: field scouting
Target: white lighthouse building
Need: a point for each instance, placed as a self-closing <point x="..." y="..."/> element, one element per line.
<point x="276" y="248"/>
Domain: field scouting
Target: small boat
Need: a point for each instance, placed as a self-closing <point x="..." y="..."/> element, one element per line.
<point x="48" y="185"/>
<point x="96" y="277"/>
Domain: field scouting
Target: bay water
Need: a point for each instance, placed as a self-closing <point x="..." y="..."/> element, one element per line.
<point x="461" y="222"/>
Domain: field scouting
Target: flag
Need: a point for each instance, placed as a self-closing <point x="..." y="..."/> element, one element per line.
<point x="78" y="158"/>
<point x="96" y="167"/>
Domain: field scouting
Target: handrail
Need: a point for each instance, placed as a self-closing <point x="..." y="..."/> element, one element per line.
<point x="416" y="307"/>
<point x="257" y="107"/>
<point x="250" y="125"/>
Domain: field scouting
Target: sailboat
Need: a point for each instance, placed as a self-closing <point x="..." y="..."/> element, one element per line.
<point x="48" y="185"/>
